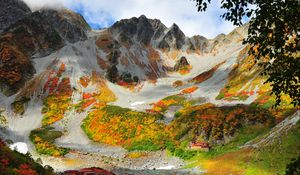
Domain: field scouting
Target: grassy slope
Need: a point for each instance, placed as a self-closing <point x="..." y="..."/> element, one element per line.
<point x="269" y="159"/>
<point x="121" y="126"/>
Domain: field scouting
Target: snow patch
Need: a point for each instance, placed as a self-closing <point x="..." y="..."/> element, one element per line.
<point x="21" y="147"/>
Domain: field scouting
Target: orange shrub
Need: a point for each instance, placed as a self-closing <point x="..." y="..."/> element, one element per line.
<point x="84" y="81"/>
<point x="87" y="95"/>
<point x="88" y="103"/>
<point x="189" y="90"/>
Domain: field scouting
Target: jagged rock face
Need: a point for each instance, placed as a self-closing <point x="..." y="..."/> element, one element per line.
<point x="11" y="11"/>
<point x="144" y="29"/>
<point x="174" y="38"/>
<point x="71" y="26"/>
<point x="148" y="31"/>
<point x="135" y="45"/>
<point x="32" y="38"/>
<point x="160" y="29"/>
<point x="153" y="32"/>
<point x="200" y="43"/>
<point x="37" y="34"/>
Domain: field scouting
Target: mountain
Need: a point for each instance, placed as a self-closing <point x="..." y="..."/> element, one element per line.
<point x="24" y="40"/>
<point x="11" y="12"/>
<point x="120" y="97"/>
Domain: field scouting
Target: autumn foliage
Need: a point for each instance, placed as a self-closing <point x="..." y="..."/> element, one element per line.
<point x="59" y="98"/>
<point x="189" y="90"/>
<point x="174" y="100"/>
<point x="213" y="124"/>
<point x="206" y="75"/>
<point x="120" y="126"/>
<point x="12" y="162"/>
<point x="43" y="139"/>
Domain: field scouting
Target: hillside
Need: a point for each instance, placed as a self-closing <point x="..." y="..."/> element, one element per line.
<point x="135" y="96"/>
<point x="15" y="163"/>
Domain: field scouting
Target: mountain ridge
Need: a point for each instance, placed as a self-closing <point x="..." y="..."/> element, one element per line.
<point x="111" y="97"/>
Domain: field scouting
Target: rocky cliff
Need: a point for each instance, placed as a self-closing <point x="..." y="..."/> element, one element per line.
<point x="12" y="11"/>
<point x="33" y="34"/>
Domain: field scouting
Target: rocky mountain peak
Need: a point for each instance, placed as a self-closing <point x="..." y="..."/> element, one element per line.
<point x="71" y="26"/>
<point x="11" y="11"/>
<point x="174" y="38"/>
<point x="148" y="31"/>
<point x="141" y="29"/>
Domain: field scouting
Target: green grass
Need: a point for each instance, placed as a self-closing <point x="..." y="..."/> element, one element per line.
<point x="47" y="134"/>
<point x="45" y="144"/>
<point x="220" y="96"/>
<point x="244" y="135"/>
<point x="144" y="145"/>
<point x="268" y="159"/>
<point x="276" y="156"/>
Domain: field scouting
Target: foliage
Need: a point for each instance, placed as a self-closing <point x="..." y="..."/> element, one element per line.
<point x="273" y="37"/>
<point x="59" y="99"/>
<point x="84" y="81"/>
<point x="180" y="150"/>
<point x="189" y="90"/>
<point x="270" y="158"/>
<point x="241" y="137"/>
<point x="293" y="168"/>
<point x="3" y="120"/>
<point x="173" y="100"/>
<point x="244" y="81"/>
<point x="105" y="95"/>
<point x="43" y="139"/>
<point x="178" y="83"/>
<point x="15" y="163"/>
<point x="18" y="106"/>
<point x="54" y="108"/>
<point x="185" y="69"/>
<point x="277" y="154"/>
<point x="121" y="126"/>
<point x="215" y="124"/>
<point x="232" y="126"/>
<point x="206" y="75"/>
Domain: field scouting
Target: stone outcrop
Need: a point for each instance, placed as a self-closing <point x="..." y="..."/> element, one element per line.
<point x="32" y="35"/>
<point x="181" y="63"/>
<point x="11" y="11"/>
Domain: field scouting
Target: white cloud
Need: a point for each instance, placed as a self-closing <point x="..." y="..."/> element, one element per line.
<point x="182" y="12"/>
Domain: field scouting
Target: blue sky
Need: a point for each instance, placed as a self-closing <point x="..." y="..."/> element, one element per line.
<point x="90" y="16"/>
<point x="103" y="13"/>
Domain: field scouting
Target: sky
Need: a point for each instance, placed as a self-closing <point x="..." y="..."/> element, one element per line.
<point x="103" y="13"/>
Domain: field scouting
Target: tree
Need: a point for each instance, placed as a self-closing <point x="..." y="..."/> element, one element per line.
<point x="273" y="36"/>
<point x="293" y="168"/>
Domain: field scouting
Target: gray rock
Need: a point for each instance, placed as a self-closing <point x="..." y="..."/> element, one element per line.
<point x="174" y="38"/>
<point x="71" y="26"/>
<point x="12" y="11"/>
<point x="182" y="62"/>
